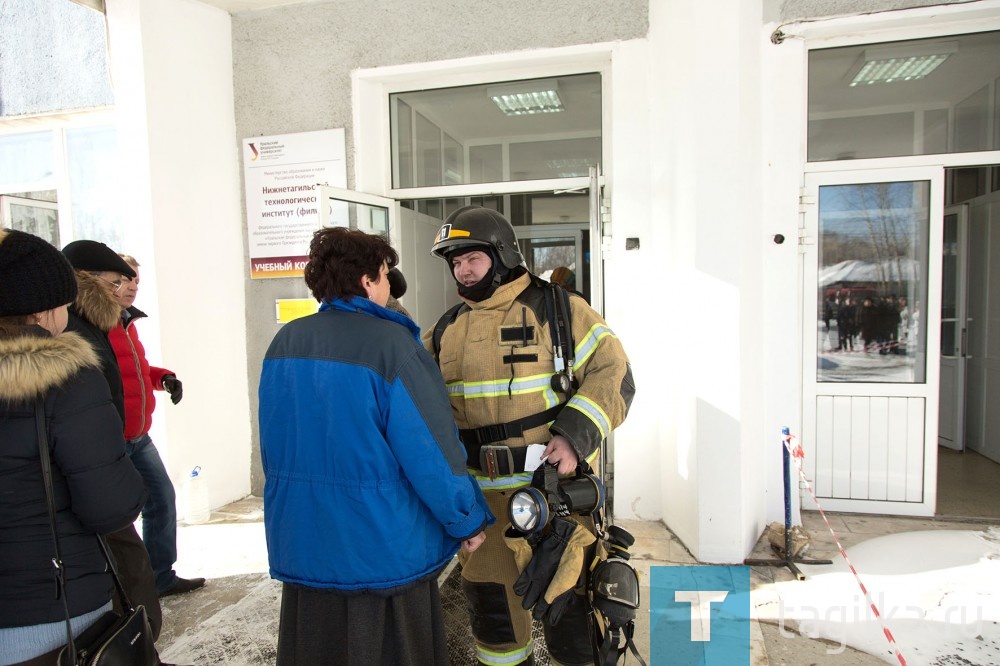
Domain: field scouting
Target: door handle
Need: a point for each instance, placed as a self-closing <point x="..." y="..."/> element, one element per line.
<point x="961" y="351"/>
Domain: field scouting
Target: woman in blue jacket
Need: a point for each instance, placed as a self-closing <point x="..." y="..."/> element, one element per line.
<point x="366" y="494"/>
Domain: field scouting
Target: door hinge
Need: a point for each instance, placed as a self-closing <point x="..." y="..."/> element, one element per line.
<point x="605" y="213"/>
<point x="806" y="200"/>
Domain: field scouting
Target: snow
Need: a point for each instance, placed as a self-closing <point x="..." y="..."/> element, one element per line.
<point x="937" y="591"/>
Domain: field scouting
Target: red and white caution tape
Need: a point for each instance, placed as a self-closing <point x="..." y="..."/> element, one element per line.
<point x="795" y="451"/>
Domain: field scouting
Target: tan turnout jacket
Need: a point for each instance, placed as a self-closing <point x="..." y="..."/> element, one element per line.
<point x="497" y="363"/>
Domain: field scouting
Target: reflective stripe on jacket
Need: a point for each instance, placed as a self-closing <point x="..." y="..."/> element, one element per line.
<point x="497" y="362"/>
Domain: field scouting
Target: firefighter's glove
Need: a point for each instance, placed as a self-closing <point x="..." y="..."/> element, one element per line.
<point x="519" y="545"/>
<point x="546" y="585"/>
<point x="560" y="591"/>
<point x="174" y="387"/>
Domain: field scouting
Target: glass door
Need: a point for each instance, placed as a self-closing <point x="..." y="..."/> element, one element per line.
<point x="871" y="248"/>
<point x="954" y="328"/>
<point x="357" y="210"/>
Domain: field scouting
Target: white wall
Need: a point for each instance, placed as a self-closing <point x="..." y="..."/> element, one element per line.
<point x="639" y="446"/>
<point x="783" y="129"/>
<point x="706" y="200"/>
<point x="172" y="72"/>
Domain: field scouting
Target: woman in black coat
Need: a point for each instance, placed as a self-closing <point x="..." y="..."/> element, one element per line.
<point x="96" y="488"/>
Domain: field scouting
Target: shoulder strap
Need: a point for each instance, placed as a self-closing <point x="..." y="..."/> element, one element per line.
<point x="560" y="318"/>
<point x="43" y="454"/>
<point x="444" y="322"/>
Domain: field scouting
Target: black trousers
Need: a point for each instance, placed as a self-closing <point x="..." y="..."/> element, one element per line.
<point x="329" y="627"/>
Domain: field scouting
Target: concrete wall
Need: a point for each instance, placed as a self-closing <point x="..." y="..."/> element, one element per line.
<point x="52" y="58"/>
<point x="182" y="191"/>
<point x="292" y="69"/>
<point x="794" y="10"/>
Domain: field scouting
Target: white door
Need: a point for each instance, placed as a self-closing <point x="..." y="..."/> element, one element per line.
<point x="430" y="288"/>
<point x="871" y="246"/>
<point x="982" y="379"/>
<point x="954" y="328"/>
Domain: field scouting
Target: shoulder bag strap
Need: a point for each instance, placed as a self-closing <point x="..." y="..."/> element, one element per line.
<point x="43" y="454"/>
<point x="127" y="606"/>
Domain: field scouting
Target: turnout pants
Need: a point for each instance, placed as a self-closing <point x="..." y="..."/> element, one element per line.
<point x="501" y="627"/>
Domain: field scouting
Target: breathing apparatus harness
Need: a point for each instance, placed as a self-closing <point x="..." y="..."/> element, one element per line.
<point x="502" y="460"/>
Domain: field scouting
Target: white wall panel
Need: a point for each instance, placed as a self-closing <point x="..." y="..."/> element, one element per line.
<point x="870" y="448"/>
<point x="896" y="452"/>
<point x="915" y="419"/>
<point x="817" y="469"/>
<point x="878" y="451"/>
<point x="861" y="421"/>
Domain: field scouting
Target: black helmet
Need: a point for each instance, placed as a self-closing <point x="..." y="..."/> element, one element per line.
<point x="473" y="225"/>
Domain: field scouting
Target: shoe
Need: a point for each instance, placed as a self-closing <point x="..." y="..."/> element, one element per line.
<point x="183" y="585"/>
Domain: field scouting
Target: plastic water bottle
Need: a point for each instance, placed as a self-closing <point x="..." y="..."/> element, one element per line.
<point x="198" y="511"/>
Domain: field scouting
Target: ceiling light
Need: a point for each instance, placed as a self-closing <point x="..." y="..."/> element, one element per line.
<point x="526" y="97"/>
<point x="892" y="64"/>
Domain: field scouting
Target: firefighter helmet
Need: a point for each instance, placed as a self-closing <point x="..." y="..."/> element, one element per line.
<point x="474" y="225"/>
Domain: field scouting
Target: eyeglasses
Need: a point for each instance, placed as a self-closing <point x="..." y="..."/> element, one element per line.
<point x="116" y="285"/>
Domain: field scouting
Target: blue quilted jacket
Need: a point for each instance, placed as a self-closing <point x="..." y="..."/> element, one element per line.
<point x="366" y="485"/>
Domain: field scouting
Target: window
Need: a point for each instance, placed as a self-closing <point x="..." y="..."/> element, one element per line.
<point x="915" y="97"/>
<point x="873" y="248"/>
<point x="75" y="164"/>
<point x="533" y="129"/>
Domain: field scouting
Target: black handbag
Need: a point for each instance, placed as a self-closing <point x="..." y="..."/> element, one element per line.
<point x="114" y="640"/>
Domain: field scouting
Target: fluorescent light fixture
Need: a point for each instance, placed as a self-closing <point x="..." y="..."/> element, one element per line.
<point x="526" y="97"/>
<point x="892" y="64"/>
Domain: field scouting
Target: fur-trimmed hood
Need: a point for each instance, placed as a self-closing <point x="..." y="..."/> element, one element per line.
<point x="95" y="304"/>
<point x="32" y="361"/>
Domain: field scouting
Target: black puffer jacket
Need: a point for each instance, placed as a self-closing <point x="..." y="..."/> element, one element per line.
<point x="97" y="490"/>
<point x="94" y="313"/>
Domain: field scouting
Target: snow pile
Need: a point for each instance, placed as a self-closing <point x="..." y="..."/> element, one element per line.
<point x="937" y="591"/>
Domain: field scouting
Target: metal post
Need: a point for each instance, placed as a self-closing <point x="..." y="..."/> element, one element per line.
<point x="787" y="560"/>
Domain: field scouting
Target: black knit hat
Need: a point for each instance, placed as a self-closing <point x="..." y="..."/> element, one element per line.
<point x="34" y="275"/>
<point x="88" y="255"/>
<point x="397" y="283"/>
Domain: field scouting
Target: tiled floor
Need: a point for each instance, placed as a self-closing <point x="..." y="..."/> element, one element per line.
<point x="234" y="619"/>
<point x="968" y="485"/>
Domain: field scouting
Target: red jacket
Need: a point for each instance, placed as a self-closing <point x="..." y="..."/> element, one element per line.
<point x="139" y="378"/>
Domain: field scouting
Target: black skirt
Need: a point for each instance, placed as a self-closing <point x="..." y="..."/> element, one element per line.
<point x="329" y="627"/>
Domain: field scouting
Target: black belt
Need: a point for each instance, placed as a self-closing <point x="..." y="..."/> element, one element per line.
<point x="500" y="460"/>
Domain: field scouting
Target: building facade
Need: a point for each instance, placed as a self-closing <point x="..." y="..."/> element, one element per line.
<point x="747" y="174"/>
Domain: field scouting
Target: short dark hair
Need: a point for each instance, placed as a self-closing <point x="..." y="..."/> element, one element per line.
<point x="338" y="257"/>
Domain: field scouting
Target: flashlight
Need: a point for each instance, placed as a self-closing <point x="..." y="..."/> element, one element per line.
<point x="528" y="510"/>
<point x="531" y="508"/>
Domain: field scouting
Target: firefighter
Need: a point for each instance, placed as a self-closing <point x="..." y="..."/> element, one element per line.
<point x="519" y="399"/>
